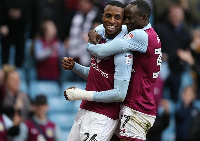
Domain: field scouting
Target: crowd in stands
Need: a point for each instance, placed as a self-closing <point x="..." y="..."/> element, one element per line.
<point x="36" y="34"/>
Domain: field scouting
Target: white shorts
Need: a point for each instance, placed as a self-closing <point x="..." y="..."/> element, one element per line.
<point x="91" y="126"/>
<point x="134" y="125"/>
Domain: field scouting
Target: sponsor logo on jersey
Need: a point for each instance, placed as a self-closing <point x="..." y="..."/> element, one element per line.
<point x="128" y="36"/>
<point x="1" y="126"/>
<point x="129" y="59"/>
<point x="95" y="66"/>
<point x="49" y="132"/>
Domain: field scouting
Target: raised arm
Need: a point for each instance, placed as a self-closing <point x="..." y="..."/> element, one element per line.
<point x="69" y="64"/>
<point x="136" y="40"/>
<point x="123" y="67"/>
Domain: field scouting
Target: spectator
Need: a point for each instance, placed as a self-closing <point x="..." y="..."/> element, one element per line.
<point x="82" y="23"/>
<point x="48" y="50"/>
<point x="190" y="9"/>
<point x="12" y="99"/>
<point x="39" y="127"/>
<point x="14" y="16"/>
<point x="194" y="129"/>
<point x="9" y="129"/>
<point x="53" y="10"/>
<point x="174" y="36"/>
<point x="161" y="122"/>
<point x="192" y="57"/>
<point x="185" y="113"/>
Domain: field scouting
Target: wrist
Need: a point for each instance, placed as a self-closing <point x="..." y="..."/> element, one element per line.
<point x="78" y="94"/>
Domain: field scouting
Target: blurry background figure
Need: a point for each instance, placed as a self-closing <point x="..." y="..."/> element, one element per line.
<point x="82" y="22"/>
<point x="192" y="57"/>
<point x="54" y="10"/>
<point x="190" y="10"/>
<point x="185" y="113"/>
<point x="174" y="36"/>
<point x="9" y="128"/>
<point x="39" y="128"/>
<point x="13" y="101"/>
<point x="161" y="122"/>
<point x="14" y="16"/>
<point x="48" y="51"/>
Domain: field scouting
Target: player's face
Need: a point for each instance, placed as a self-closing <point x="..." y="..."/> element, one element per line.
<point x="113" y="18"/>
<point x="133" y="18"/>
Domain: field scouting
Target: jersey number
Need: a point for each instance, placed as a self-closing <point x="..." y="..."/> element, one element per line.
<point x="87" y="138"/>
<point x="159" y="61"/>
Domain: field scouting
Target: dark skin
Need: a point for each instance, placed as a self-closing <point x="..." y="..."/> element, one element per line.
<point x="133" y="20"/>
<point x="113" y="18"/>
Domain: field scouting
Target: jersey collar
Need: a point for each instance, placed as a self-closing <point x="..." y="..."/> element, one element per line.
<point x="147" y="27"/>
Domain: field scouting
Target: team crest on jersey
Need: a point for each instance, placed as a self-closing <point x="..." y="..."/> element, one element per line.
<point x="1" y="126"/>
<point x="128" y="36"/>
<point x="49" y="132"/>
<point x="40" y="137"/>
<point x="129" y="59"/>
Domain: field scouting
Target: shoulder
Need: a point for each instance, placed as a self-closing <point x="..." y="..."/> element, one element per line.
<point x="124" y="29"/>
<point x="138" y="35"/>
<point x="51" y="123"/>
<point x="138" y="32"/>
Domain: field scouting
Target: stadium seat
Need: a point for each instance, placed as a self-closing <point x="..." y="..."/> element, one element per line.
<point x="22" y="73"/>
<point x="65" y="134"/>
<point x="48" y="88"/>
<point x="60" y="104"/>
<point x="63" y="120"/>
<point x="197" y="104"/>
<point x="23" y="86"/>
<point x="32" y="74"/>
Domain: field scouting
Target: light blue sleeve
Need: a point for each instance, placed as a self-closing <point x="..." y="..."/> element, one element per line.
<point x="123" y="68"/>
<point x="100" y="30"/>
<point x="8" y="122"/>
<point x="81" y="71"/>
<point x="124" y="29"/>
<point x="41" y="53"/>
<point x="136" y="40"/>
<point x="23" y="134"/>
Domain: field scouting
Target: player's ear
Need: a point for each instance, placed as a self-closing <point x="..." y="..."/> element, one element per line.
<point x="144" y="17"/>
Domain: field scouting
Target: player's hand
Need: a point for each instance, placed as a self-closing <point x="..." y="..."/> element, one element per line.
<point x="74" y="93"/>
<point x="68" y="93"/>
<point x="94" y="37"/>
<point x="68" y="63"/>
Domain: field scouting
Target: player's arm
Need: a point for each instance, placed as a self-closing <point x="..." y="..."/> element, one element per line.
<point x="136" y="40"/>
<point x="69" y="64"/>
<point x="81" y="71"/>
<point x="123" y="67"/>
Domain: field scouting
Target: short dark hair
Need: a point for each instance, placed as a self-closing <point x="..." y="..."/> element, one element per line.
<point x="116" y="3"/>
<point x="40" y="100"/>
<point x="143" y="6"/>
